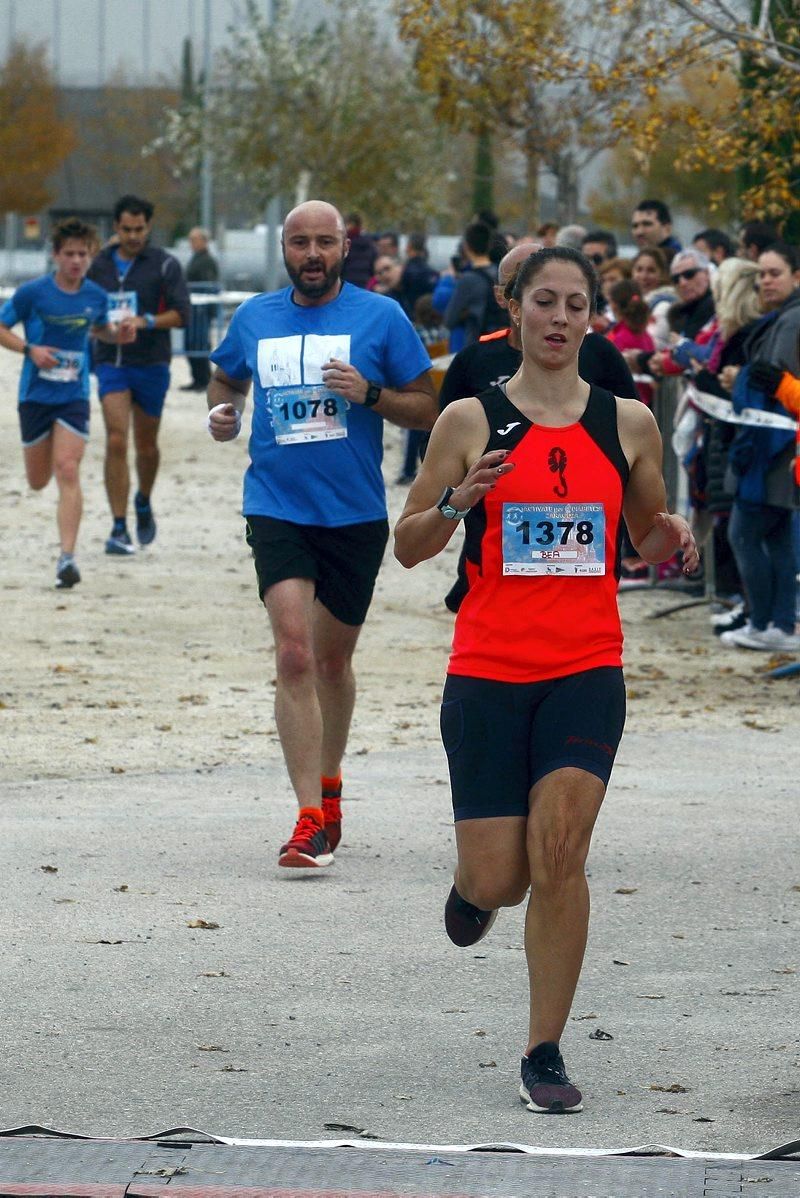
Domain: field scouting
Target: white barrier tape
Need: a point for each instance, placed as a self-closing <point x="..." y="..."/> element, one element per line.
<point x="722" y="409"/>
<point x="198" y="298"/>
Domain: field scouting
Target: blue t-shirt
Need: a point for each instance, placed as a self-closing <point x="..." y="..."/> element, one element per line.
<point x="62" y="320"/>
<point x="123" y="265"/>
<point x="314" y="458"/>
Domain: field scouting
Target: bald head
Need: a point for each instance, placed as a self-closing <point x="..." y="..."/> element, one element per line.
<point x="314" y="248"/>
<point x="316" y="212"/>
<point x="510" y="264"/>
<point x="199" y="238"/>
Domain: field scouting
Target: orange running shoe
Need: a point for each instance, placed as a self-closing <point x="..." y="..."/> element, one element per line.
<point x="308" y="846"/>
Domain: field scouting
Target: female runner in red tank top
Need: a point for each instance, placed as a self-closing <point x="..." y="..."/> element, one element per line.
<point x="541" y="470"/>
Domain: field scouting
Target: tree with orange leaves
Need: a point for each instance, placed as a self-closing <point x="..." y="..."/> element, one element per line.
<point x="526" y="73"/>
<point x="565" y="81"/>
<point x="34" y="137"/>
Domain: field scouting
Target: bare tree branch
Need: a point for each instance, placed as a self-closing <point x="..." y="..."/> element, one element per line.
<point x="779" y="53"/>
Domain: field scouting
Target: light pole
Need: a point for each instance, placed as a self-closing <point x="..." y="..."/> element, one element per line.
<point x="273" y="213"/>
<point x="206" y="164"/>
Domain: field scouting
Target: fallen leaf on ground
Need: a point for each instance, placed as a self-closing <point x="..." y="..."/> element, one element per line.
<point x="49" y="869"/>
<point x="599" y="1034"/>
<point x="208" y="924"/>
<point x="212" y="1048"/>
<point x="626" y="890"/>
<point x="673" y="1089"/>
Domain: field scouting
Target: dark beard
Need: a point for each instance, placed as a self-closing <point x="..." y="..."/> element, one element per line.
<point x="315" y="290"/>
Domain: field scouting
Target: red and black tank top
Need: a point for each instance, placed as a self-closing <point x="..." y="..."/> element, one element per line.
<point x="543" y="548"/>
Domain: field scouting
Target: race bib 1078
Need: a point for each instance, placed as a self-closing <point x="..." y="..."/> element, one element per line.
<point x="554" y="538"/>
<point x="303" y="414"/>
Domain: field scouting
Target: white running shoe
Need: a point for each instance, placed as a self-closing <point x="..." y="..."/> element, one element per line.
<point x="771" y="640"/>
<point x="748" y="638"/>
<point x="783" y="642"/>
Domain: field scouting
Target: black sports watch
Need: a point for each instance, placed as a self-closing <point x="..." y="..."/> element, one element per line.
<point x="373" y="394"/>
<point x="446" y="508"/>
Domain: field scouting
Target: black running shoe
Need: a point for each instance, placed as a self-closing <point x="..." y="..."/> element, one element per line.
<point x="545" y="1087"/>
<point x="67" y="573"/>
<point x="465" y="923"/>
<point x="729" y="621"/>
<point x="119" y="544"/>
<point x="145" y="520"/>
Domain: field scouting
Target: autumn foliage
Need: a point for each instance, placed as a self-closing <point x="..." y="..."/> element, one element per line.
<point x="34" y="138"/>
<point x="570" y="80"/>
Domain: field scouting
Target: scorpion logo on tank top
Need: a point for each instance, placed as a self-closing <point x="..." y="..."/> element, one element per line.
<point x="557" y="463"/>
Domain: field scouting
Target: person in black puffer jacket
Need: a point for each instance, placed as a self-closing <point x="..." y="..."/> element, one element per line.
<point x="760" y="528"/>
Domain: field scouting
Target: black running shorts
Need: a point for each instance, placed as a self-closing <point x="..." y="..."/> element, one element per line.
<point x="503" y="737"/>
<point x="342" y="562"/>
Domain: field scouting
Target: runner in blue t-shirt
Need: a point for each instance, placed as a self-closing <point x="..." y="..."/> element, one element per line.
<point x="58" y="312"/>
<point x="330" y="363"/>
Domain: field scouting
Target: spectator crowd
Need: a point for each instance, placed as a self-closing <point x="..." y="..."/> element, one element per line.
<point x="710" y="332"/>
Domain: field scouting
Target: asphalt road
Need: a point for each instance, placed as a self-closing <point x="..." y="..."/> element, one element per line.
<point x="332" y="1006"/>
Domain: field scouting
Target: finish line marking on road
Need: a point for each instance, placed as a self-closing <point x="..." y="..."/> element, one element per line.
<point x="780" y="1152"/>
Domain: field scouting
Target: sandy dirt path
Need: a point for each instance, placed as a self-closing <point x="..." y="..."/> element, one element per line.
<point x="163" y="661"/>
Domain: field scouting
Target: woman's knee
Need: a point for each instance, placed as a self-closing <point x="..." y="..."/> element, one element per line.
<point x="558" y="855"/>
<point x="560" y="825"/>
